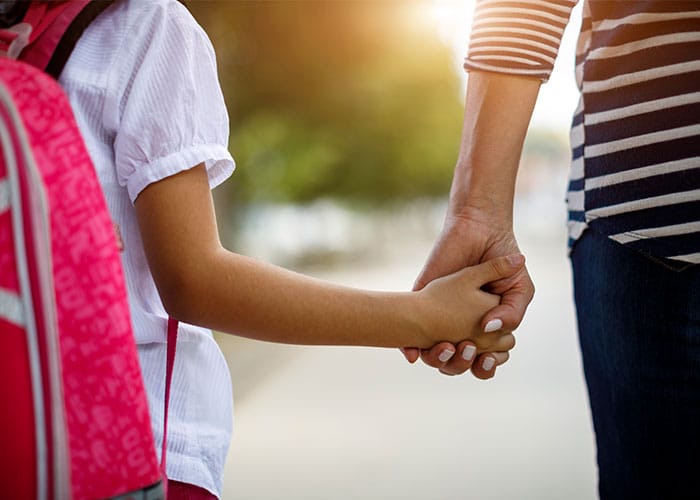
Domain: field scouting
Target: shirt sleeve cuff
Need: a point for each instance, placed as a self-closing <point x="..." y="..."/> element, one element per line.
<point x="541" y="74"/>
<point x="217" y="159"/>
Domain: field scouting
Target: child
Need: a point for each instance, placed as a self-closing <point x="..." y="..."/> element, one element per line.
<point x="142" y="80"/>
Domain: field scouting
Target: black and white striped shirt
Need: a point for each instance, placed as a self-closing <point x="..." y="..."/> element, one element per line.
<point x="635" y="174"/>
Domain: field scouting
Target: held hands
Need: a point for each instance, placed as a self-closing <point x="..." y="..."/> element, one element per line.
<point x="467" y="240"/>
<point x="451" y="308"/>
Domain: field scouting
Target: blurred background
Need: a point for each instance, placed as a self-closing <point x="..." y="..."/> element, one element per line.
<point x="345" y="125"/>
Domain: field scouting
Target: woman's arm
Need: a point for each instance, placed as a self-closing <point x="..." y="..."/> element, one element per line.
<point x="202" y="283"/>
<point x="479" y="221"/>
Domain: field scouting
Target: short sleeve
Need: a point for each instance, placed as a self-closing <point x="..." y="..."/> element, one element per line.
<point x="517" y="37"/>
<point x="168" y="106"/>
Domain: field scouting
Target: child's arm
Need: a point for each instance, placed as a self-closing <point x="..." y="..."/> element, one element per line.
<point x="202" y="283"/>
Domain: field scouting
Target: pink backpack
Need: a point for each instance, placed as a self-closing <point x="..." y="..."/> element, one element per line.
<point x="74" y="421"/>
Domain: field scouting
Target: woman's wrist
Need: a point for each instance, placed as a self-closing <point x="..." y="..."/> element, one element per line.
<point x="473" y="197"/>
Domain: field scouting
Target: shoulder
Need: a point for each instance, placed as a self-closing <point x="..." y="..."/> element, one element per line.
<point x="130" y="28"/>
<point x="153" y="16"/>
<point x="162" y="29"/>
<point x="154" y="38"/>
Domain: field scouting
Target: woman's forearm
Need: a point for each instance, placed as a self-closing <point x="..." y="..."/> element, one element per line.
<point x="497" y="114"/>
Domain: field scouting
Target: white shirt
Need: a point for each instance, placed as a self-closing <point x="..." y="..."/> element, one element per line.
<point x="143" y="84"/>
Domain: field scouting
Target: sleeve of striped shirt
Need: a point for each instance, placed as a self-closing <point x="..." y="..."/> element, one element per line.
<point x="517" y="37"/>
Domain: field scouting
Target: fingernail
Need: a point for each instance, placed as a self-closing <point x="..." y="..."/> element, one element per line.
<point x="493" y="325"/>
<point x="516" y="259"/>
<point x="488" y="364"/>
<point x="468" y="352"/>
<point x="446" y="355"/>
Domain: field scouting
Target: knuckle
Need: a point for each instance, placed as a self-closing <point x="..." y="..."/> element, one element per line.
<point x="495" y="266"/>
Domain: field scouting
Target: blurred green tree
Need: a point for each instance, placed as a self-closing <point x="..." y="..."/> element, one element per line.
<point x="354" y="100"/>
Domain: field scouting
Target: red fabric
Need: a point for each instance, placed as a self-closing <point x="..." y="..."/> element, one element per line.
<point x="170" y="364"/>
<point x="106" y="412"/>
<point x="18" y="459"/>
<point x="185" y="491"/>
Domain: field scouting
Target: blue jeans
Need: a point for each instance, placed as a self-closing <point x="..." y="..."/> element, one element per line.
<point x="639" y="329"/>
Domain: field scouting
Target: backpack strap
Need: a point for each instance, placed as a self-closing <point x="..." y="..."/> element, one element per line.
<point x="70" y="36"/>
<point x="169" y="364"/>
<point x="48" y="33"/>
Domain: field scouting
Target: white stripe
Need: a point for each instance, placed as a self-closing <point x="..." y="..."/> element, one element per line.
<point x="574" y="200"/>
<point x="576" y="136"/>
<point x="521" y="60"/>
<point x="576" y="169"/>
<point x="4" y="195"/>
<point x="656" y="201"/>
<point x="511" y="11"/>
<point x="534" y="3"/>
<point x="576" y="229"/>
<point x="641" y="140"/>
<point x="578" y="75"/>
<point x="537" y="55"/>
<point x="11" y="308"/>
<point x="656" y="232"/>
<point x="641" y="173"/>
<point x="640" y="76"/>
<point x="506" y="23"/>
<point x="507" y="71"/>
<point x="496" y="42"/>
<point x="654" y="41"/>
<point x="691" y="257"/>
<point x="609" y="24"/>
<point x="642" y="107"/>
<point x="501" y="31"/>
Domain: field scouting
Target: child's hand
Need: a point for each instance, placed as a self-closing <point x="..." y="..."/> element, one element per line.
<point x="451" y="308"/>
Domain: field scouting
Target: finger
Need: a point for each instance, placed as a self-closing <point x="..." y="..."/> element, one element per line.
<point x="504" y="343"/>
<point x="411" y="354"/>
<point x="438" y="355"/>
<point x="484" y="366"/>
<point x="496" y="269"/>
<point x="462" y="360"/>
<point x="501" y="357"/>
<point x="449" y="255"/>
<point x="509" y="313"/>
<point x="422" y="280"/>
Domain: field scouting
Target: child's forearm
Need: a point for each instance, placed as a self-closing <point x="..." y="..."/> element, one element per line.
<point x="240" y="295"/>
<point x="202" y="283"/>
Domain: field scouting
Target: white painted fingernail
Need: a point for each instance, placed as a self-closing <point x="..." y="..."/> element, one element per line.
<point x="446" y="355"/>
<point x="488" y="364"/>
<point x="493" y="325"/>
<point x="468" y="352"/>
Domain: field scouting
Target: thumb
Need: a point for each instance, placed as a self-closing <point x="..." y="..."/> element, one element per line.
<point x="496" y="269"/>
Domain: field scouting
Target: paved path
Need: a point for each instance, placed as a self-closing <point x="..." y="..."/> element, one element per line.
<point x="349" y="423"/>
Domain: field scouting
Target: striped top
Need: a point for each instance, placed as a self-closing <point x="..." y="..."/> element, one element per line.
<point x="635" y="137"/>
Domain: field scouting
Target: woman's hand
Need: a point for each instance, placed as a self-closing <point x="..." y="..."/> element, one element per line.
<point x="451" y="308"/>
<point x="470" y="238"/>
